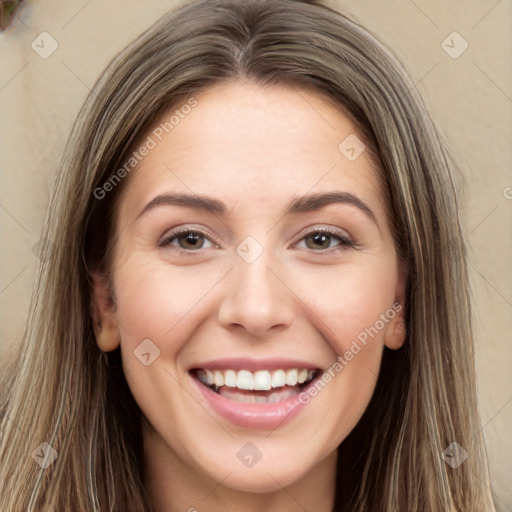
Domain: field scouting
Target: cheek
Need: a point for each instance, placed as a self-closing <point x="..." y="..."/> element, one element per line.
<point x="352" y="309"/>
<point x="350" y="304"/>
<point x="156" y="301"/>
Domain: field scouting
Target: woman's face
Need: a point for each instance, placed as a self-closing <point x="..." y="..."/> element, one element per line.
<point x="220" y="276"/>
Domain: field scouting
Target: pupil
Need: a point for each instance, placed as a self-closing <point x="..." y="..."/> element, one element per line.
<point x="191" y="239"/>
<point x="320" y="239"/>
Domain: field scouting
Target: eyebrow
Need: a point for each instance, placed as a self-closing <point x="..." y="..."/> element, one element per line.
<point x="304" y="204"/>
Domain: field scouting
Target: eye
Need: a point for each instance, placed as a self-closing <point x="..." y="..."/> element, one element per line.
<point x="188" y="239"/>
<point x="321" y="238"/>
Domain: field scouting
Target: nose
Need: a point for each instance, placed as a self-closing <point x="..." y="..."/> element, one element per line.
<point x="256" y="298"/>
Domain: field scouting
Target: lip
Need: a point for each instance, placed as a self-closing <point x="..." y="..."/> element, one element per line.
<point x="247" y="415"/>
<point x="252" y="364"/>
<point x="251" y="416"/>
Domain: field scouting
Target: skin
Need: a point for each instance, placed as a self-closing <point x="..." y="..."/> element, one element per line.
<point x="255" y="149"/>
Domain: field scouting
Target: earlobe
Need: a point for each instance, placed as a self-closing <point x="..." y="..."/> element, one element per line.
<point x="106" y="329"/>
<point x="108" y="340"/>
<point x="396" y="332"/>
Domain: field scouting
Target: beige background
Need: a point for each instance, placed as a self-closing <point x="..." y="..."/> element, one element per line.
<point x="470" y="98"/>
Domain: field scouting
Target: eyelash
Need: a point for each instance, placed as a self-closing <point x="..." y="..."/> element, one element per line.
<point x="345" y="243"/>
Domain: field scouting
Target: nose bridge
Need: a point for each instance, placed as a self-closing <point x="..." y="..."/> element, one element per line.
<point x="255" y="297"/>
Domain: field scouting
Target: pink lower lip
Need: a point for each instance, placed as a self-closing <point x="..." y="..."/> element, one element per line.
<point x="255" y="416"/>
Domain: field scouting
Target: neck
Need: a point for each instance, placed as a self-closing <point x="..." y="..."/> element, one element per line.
<point x="174" y="486"/>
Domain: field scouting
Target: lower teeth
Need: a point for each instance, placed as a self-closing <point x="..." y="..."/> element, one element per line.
<point x="253" y="398"/>
<point x="258" y="397"/>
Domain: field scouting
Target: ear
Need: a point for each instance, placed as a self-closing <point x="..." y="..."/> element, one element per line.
<point x="105" y="325"/>
<point x="396" y="330"/>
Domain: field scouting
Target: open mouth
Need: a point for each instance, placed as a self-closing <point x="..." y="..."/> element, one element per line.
<point x="258" y="387"/>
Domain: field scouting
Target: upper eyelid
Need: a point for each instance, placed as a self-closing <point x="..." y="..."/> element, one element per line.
<point x="174" y="233"/>
<point x="333" y="231"/>
<point x="346" y="240"/>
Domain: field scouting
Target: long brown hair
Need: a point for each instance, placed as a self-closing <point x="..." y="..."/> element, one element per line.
<point x="61" y="389"/>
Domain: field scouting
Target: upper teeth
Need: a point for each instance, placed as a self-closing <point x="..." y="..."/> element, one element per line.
<point x="260" y="380"/>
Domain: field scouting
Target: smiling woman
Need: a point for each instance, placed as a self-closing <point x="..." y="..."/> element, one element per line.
<point x="268" y="308"/>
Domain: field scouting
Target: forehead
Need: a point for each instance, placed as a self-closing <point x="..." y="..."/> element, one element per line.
<point x="245" y="142"/>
